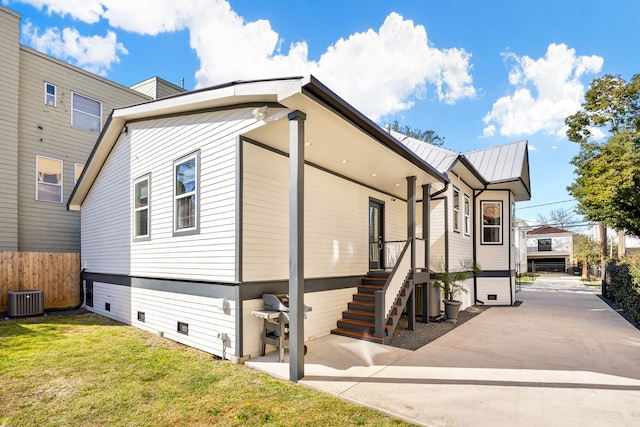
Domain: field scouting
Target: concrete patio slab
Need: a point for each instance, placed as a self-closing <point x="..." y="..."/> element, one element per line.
<point x="561" y="358"/>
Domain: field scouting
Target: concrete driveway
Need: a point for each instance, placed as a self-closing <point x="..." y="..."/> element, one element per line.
<point x="561" y="358"/>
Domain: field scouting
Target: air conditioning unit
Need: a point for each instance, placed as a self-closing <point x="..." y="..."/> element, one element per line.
<point x="25" y="303"/>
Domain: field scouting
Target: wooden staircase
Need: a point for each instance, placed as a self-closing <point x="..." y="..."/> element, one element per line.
<point x="358" y="321"/>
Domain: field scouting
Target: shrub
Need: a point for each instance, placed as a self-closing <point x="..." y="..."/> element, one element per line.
<point x="624" y="284"/>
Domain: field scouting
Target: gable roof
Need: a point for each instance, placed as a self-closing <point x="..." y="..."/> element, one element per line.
<point x="344" y="132"/>
<point x="547" y="229"/>
<point x="501" y="167"/>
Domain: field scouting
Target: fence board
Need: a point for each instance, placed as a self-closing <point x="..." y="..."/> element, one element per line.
<point x="57" y="274"/>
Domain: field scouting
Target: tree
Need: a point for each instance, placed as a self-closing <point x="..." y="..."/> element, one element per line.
<point x="559" y="218"/>
<point x="608" y="171"/>
<point x="585" y="251"/>
<point x="428" y="136"/>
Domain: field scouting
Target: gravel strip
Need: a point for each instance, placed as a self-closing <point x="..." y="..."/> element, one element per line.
<point x="425" y="333"/>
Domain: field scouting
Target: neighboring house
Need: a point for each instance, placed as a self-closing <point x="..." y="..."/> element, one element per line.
<point x="50" y="116"/>
<point x="194" y="206"/>
<point x="51" y="113"/>
<point x="549" y="249"/>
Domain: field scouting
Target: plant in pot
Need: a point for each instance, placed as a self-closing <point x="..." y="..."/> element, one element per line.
<point x="451" y="284"/>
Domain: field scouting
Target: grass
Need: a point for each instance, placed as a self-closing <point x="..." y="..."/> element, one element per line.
<point x="527" y="278"/>
<point x="87" y="370"/>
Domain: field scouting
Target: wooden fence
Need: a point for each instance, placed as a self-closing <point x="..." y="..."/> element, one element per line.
<point x="57" y="274"/>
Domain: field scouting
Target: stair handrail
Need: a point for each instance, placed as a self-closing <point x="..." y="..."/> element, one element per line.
<point x="386" y="297"/>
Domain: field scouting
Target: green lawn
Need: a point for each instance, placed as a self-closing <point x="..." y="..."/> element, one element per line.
<point x="86" y="370"/>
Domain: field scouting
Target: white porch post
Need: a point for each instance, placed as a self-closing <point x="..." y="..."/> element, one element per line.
<point x="296" y="245"/>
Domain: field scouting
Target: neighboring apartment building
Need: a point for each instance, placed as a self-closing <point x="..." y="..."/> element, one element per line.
<point x="51" y="114"/>
<point x="549" y="249"/>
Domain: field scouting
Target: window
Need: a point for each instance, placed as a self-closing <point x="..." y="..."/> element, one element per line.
<point x="492" y="223"/>
<point x="48" y="179"/>
<point x="456" y="209"/>
<point x="50" y="94"/>
<point x="87" y="113"/>
<point x="467" y="215"/>
<point x="185" y="209"/>
<point x="544" y="245"/>
<point x="141" y="201"/>
<point x="77" y="171"/>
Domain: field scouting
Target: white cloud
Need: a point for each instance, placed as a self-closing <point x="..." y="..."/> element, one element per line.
<point x="93" y="53"/>
<point x="532" y="147"/>
<point x="546" y="91"/>
<point x="396" y="61"/>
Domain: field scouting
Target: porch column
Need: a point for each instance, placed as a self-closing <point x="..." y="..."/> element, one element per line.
<point x="426" y="229"/>
<point x="411" y="237"/>
<point x="296" y="245"/>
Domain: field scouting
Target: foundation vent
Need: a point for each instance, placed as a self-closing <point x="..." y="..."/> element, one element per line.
<point x="25" y="303"/>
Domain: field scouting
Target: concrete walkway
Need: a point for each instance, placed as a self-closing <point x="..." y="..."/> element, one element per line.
<point x="561" y="358"/>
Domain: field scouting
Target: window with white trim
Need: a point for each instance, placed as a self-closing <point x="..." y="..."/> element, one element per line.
<point x="50" y="94"/>
<point x="467" y="215"/>
<point x="141" y="205"/>
<point x="185" y="193"/>
<point x="456" y="209"/>
<point x="86" y="113"/>
<point x="48" y="179"/>
<point x="77" y="171"/>
<point x="491" y="223"/>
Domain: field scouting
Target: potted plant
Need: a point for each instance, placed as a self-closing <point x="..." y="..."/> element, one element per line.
<point x="451" y="284"/>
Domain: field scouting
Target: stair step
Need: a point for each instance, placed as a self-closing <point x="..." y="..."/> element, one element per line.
<point x="369" y="289"/>
<point x="368" y="316"/>
<point x="378" y="274"/>
<point x="373" y="281"/>
<point x="364" y="297"/>
<point x="362" y="306"/>
<point x="359" y="335"/>
<point x="357" y="325"/>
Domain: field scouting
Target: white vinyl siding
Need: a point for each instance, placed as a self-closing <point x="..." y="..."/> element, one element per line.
<point x="86" y="112"/>
<point x="152" y="147"/>
<point x="50" y="93"/>
<point x="49" y="179"/>
<point x="336" y="220"/>
<point x="163" y="311"/>
<point x="492" y="256"/>
<point x="498" y="286"/>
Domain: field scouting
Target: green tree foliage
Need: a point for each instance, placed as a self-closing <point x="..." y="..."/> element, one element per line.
<point x="607" y="184"/>
<point x="429" y="136"/>
<point x="585" y="252"/>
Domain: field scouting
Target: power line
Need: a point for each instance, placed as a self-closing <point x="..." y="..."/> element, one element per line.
<point x="546" y="204"/>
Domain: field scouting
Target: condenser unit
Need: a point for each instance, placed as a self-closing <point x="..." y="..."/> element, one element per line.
<point x="25" y="303"/>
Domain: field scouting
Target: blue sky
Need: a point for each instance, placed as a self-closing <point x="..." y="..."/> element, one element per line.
<point x="479" y="73"/>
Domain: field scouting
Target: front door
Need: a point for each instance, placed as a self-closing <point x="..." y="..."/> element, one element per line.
<point x="376" y="234"/>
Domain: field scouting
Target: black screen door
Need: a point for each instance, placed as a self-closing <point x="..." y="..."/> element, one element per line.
<point x="376" y="235"/>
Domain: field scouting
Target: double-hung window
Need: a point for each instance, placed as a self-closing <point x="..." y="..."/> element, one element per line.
<point x="48" y="179"/>
<point x="467" y="215"/>
<point x="492" y="223"/>
<point x="456" y="209"/>
<point x="186" y="194"/>
<point x="141" y="205"/>
<point x="50" y="94"/>
<point x="86" y="113"/>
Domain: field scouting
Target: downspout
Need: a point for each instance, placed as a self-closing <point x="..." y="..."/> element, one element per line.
<point x="475" y="245"/>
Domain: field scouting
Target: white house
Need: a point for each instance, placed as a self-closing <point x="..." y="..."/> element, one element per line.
<point x="196" y="205"/>
<point x="549" y="249"/>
